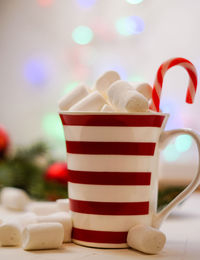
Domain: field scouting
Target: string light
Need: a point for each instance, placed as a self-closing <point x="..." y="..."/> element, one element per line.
<point x="136" y="79"/>
<point x="70" y="86"/>
<point x="134" y="2"/>
<point x="183" y="143"/>
<point x="45" y="3"/>
<point x="129" y="25"/>
<point x="86" y="3"/>
<point x="82" y="35"/>
<point x="52" y="127"/>
<point x="121" y="70"/>
<point x="35" y="72"/>
<point x="170" y="153"/>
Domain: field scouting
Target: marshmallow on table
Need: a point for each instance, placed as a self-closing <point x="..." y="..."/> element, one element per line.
<point x="10" y="234"/>
<point x="107" y="108"/>
<point x="145" y="89"/>
<point x="93" y="102"/>
<point x="42" y="236"/>
<point x="146" y="239"/>
<point x="63" y="204"/>
<point x="73" y="97"/>
<point x="62" y="218"/>
<point x="103" y="83"/>
<point x="11" y="231"/>
<point x="43" y="208"/>
<point x="124" y="97"/>
<point x="14" y="198"/>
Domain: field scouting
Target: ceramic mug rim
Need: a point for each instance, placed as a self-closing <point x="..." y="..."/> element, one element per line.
<point x="111" y="113"/>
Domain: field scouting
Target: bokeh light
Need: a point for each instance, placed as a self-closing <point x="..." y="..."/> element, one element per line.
<point x="183" y="143"/>
<point x="129" y="25"/>
<point x="45" y="3"/>
<point x="82" y="35"/>
<point x="134" y="2"/>
<point x="35" y="72"/>
<point x="86" y="3"/>
<point x="70" y="86"/>
<point x="170" y="153"/>
<point x="121" y="70"/>
<point x="135" y="78"/>
<point x="52" y="127"/>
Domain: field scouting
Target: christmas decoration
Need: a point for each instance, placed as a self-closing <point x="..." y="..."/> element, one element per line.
<point x="34" y="170"/>
<point x="4" y="141"/>
<point x="57" y="172"/>
<point x="26" y="169"/>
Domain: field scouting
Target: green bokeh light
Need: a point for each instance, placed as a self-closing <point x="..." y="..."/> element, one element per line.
<point x="170" y="153"/>
<point x="52" y="127"/>
<point x="138" y="79"/>
<point x="129" y="25"/>
<point x="123" y="27"/>
<point x="183" y="143"/>
<point x="82" y="35"/>
<point x="134" y="2"/>
<point x="70" y="86"/>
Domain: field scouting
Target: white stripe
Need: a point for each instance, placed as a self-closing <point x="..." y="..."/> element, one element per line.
<point x="189" y="66"/>
<point x="101" y="245"/>
<point x="108" y="193"/>
<point x="191" y="89"/>
<point x="108" y="223"/>
<point x="118" y="163"/>
<point x="111" y="134"/>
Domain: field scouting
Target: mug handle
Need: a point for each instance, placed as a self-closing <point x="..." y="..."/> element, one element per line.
<point x="163" y="214"/>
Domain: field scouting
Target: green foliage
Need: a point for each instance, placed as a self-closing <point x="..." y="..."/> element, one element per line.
<point x="167" y="194"/>
<point x="25" y="170"/>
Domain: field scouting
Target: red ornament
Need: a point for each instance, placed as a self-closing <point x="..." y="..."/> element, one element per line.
<point x="4" y="141"/>
<point x="57" y="172"/>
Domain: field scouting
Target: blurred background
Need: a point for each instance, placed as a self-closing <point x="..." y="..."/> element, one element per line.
<point x="47" y="47"/>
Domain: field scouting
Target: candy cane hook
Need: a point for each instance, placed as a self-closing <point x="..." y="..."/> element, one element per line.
<point x="157" y="88"/>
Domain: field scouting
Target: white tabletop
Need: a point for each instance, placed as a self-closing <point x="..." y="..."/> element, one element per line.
<point x="182" y="229"/>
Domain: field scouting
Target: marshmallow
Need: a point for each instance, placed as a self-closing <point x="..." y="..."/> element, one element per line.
<point x="63" y="204"/>
<point x="11" y="231"/>
<point x="146" y="239"/>
<point x="42" y="236"/>
<point x="103" y="83"/>
<point x="10" y="234"/>
<point x="43" y="208"/>
<point x="73" y="97"/>
<point x="93" y="102"/>
<point x="14" y="198"/>
<point x="123" y="97"/>
<point x="107" y="108"/>
<point x="145" y="89"/>
<point x="62" y="218"/>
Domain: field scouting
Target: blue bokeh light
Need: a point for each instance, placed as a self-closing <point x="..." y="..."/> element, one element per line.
<point x="35" y="72"/>
<point x="130" y="25"/>
<point x="86" y="3"/>
<point x="121" y="70"/>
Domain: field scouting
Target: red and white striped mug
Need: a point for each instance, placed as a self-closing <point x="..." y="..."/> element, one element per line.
<point x="113" y="174"/>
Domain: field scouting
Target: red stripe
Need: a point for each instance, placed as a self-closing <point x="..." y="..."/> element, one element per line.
<point x="119" y="148"/>
<point x="113" y="120"/>
<point x="156" y="98"/>
<point x="99" y="236"/>
<point x="109" y="178"/>
<point x="109" y="208"/>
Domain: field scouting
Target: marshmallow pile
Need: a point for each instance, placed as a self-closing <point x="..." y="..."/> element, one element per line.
<point x="46" y="225"/>
<point x="110" y="94"/>
<point x="38" y="225"/>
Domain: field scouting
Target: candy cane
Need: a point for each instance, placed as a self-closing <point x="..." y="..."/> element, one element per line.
<point x="157" y="88"/>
